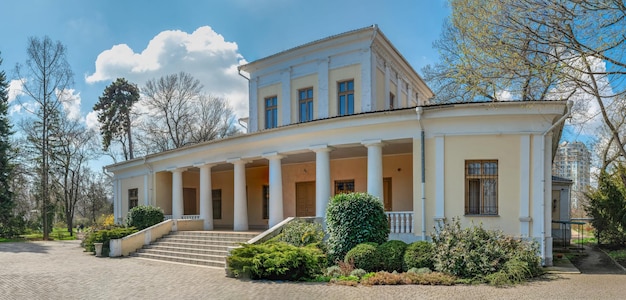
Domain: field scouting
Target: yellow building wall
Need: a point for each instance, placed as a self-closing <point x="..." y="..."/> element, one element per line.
<point x="163" y="191"/>
<point x="505" y="149"/>
<point x="132" y="183"/>
<point x="400" y="169"/>
<point x="343" y="74"/>
<point x="224" y="181"/>
<point x="302" y="83"/>
<point x="265" y="92"/>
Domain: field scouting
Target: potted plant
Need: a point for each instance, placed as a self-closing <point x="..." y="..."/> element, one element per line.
<point x="98" y="247"/>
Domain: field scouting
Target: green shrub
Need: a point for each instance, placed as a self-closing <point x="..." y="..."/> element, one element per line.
<point x="142" y="217"/>
<point x="475" y="252"/>
<point x="352" y="219"/>
<point x="104" y="237"/>
<point x="358" y="273"/>
<point x="300" y="233"/>
<point x="364" y="256"/>
<point x="391" y="255"/>
<point x="333" y="271"/>
<point x="276" y="261"/>
<point x="418" y="255"/>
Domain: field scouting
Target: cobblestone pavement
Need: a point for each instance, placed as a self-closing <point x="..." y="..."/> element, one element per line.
<point x="61" y="270"/>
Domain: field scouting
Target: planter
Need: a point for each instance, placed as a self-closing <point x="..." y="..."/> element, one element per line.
<point x="98" y="247"/>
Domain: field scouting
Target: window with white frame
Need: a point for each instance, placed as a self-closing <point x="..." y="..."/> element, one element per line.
<point x="305" y="104"/>
<point x="271" y="112"/>
<point x="481" y="187"/>
<point x="345" y="97"/>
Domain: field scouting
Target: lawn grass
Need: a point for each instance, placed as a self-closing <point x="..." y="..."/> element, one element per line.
<point x="57" y="234"/>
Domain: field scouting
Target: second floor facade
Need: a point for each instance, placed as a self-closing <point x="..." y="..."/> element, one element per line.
<point x="351" y="73"/>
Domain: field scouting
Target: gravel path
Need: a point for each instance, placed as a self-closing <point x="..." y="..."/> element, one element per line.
<point x="61" y="270"/>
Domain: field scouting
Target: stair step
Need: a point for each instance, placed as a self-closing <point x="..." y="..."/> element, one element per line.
<point x="202" y="262"/>
<point x="204" y="248"/>
<point x="182" y="254"/>
<point x="188" y="250"/>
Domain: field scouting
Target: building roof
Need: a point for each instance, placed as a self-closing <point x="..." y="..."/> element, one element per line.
<point x="561" y="179"/>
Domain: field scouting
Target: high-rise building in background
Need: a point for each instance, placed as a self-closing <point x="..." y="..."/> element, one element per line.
<point x="573" y="161"/>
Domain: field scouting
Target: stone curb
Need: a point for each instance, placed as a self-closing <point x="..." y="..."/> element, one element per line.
<point x="613" y="260"/>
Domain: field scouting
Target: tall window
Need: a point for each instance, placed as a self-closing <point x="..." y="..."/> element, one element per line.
<point x="344" y="186"/>
<point x="392" y="99"/>
<point x="346" y="97"/>
<point x="133" y="198"/>
<point x="305" y="102"/>
<point x="266" y="202"/>
<point x="481" y="187"/>
<point x="217" y="204"/>
<point x="271" y="112"/>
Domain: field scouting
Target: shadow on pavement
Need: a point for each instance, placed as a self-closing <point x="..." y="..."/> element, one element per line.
<point x="596" y="262"/>
<point x="19" y="247"/>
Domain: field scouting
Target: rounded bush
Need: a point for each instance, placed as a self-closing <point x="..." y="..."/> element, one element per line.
<point x="391" y="255"/>
<point x="418" y="255"/>
<point x="358" y="273"/>
<point x="352" y="219"/>
<point x="142" y="217"/>
<point x="364" y="256"/>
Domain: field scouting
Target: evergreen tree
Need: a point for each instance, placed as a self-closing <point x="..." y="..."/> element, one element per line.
<point x="10" y="225"/>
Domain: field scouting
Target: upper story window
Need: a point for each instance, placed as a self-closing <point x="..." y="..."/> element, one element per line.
<point x="392" y="99"/>
<point x="271" y="112"/>
<point x="346" y="97"/>
<point x="481" y="187"/>
<point x="305" y="103"/>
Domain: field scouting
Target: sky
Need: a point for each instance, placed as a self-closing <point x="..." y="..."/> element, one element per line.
<point x="143" y="40"/>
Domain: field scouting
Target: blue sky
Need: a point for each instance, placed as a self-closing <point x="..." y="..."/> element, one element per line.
<point x="141" y="40"/>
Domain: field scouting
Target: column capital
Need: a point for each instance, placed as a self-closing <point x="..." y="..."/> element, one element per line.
<point x="272" y="155"/>
<point x="237" y="160"/>
<point x="176" y="169"/>
<point x="321" y="148"/>
<point x="372" y="143"/>
<point x="203" y="164"/>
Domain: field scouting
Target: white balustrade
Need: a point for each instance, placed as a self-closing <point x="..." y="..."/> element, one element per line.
<point x="184" y="217"/>
<point x="400" y="221"/>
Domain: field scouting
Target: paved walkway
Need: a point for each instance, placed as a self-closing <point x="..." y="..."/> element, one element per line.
<point x="60" y="270"/>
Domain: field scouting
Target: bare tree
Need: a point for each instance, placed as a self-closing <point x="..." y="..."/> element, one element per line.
<point x="179" y="113"/>
<point x="44" y="77"/>
<point x="76" y="149"/>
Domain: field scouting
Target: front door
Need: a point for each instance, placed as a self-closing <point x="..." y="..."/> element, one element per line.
<point x="189" y="201"/>
<point x="305" y="199"/>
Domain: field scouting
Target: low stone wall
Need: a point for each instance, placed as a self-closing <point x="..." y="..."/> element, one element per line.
<point x="189" y="225"/>
<point x="129" y="244"/>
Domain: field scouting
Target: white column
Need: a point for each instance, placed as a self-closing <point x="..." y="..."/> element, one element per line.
<point x="524" y="209"/>
<point x="285" y="82"/>
<point x="206" y="197"/>
<point x="409" y="96"/>
<point x="177" y="193"/>
<point x="387" y="86"/>
<point x="240" y="221"/>
<point x="547" y="196"/>
<point x="276" y="188"/>
<point x="375" y="168"/>
<point x="146" y="191"/>
<point x="399" y="92"/>
<point x="373" y="70"/>
<point x="253" y="120"/>
<point x="116" y="201"/>
<point x="322" y="179"/>
<point x="537" y="187"/>
<point x="120" y="209"/>
<point x="322" y="89"/>
<point x="440" y="180"/>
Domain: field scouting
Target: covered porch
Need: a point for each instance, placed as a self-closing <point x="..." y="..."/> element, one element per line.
<point x="259" y="192"/>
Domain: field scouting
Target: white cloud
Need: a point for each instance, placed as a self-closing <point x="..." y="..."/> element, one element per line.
<point x="504" y="95"/>
<point x="15" y="89"/>
<point x="71" y="103"/>
<point x="204" y="54"/>
<point x="91" y="121"/>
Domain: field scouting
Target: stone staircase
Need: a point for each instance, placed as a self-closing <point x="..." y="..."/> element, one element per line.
<point x="204" y="248"/>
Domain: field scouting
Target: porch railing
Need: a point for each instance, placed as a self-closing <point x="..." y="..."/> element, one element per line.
<point x="400" y="221"/>
<point x="184" y="217"/>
